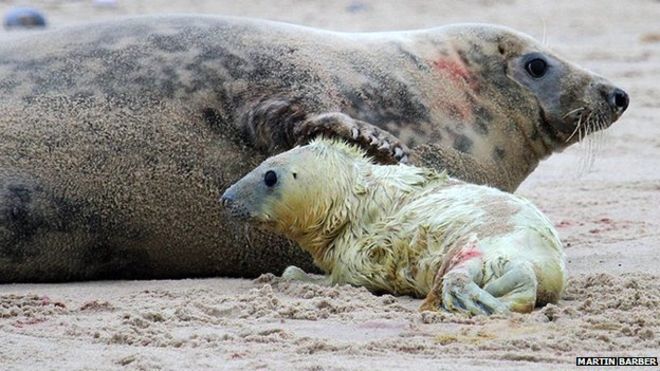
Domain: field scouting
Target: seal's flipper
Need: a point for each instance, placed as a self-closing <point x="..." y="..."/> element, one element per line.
<point x="510" y="286"/>
<point x="269" y="125"/>
<point x="516" y="288"/>
<point x="461" y="294"/>
<point x="382" y="145"/>
<point x="467" y="283"/>
<point x="293" y="273"/>
<point x="456" y="290"/>
<point x="276" y="125"/>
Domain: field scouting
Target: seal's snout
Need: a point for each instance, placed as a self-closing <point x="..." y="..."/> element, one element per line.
<point x="227" y="199"/>
<point x="618" y="100"/>
<point x="230" y="201"/>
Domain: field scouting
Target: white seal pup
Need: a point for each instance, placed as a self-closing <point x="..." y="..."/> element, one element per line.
<point x="405" y="230"/>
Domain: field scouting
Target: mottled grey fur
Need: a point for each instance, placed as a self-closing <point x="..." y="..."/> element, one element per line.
<point x="116" y="139"/>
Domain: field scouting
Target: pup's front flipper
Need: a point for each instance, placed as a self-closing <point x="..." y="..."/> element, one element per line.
<point x="294" y="273"/>
<point x="455" y="287"/>
<point x="458" y="287"/>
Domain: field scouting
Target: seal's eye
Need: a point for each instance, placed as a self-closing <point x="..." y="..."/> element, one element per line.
<point x="536" y="67"/>
<point x="270" y="178"/>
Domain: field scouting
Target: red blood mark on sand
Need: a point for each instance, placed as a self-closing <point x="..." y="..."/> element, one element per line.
<point x="568" y="223"/>
<point x="45" y="300"/>
<point x="602" y="225"/>
<point x="563" y="224"/>
<point x="30" y="321"/>
<point x="607" y="226"/>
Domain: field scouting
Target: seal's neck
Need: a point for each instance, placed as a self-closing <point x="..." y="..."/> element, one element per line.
<point x="315" y="217"/>
<point x="530" y="143"/>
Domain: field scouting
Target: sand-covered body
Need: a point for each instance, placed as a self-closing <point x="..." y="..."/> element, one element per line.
<point x="406" y="230"/>
<point x="116" y="137"/>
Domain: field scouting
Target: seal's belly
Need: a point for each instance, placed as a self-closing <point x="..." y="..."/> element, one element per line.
<point x="393" y="258"/>
<point x="403" y="253"/>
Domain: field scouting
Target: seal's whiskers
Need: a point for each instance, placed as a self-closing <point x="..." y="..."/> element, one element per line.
<point x="594" y="127"/>
<point x="544" y="39"/>
<point x="578" y="125"/>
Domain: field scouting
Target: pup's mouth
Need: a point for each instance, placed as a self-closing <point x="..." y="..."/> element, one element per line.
<point x="235" y="209"/>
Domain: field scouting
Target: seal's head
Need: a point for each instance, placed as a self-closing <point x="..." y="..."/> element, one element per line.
<point x="285" y="195"/>
<point x="571" y="100"/>
<point x="510" y="77"/>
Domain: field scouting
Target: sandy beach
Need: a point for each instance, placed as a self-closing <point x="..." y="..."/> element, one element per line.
<point x="603" y="196"/>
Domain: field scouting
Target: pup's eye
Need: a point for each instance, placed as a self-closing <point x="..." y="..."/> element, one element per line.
<point x="270" y="178"/>
<point x="295" y="175"/>
<point x="536" y="67"/>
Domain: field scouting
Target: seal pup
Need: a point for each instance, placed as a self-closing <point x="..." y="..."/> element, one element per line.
<point x="405" y="230"/>
<point x="116" y="137"/>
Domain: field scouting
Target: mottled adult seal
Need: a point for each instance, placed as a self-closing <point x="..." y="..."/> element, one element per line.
<point x="117" y="137"/>
<point x="405" y="230"/>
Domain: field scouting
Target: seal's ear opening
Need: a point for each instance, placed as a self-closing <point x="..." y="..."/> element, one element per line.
<point x="508" y="47"/>
<point x="295" y="175"/>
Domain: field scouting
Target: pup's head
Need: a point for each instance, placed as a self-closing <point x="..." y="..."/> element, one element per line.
<point x="298" y="192"/>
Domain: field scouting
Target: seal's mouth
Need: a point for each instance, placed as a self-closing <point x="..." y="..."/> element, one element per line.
<point x="578" y="123"/>
<point x="586" y="121"/>
<point x="237" y="210"/>
<point x="234" y="207"/>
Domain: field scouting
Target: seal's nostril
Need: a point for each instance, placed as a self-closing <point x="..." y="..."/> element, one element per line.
<point x="225" y="200"/>
<point x="619" y="100"/>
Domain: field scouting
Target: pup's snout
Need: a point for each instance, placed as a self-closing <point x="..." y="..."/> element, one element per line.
<point x="233" y="205"/>
<point x="227" y="198"/>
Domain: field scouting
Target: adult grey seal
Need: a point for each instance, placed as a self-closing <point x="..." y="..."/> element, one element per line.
<point x="117" y="138"/>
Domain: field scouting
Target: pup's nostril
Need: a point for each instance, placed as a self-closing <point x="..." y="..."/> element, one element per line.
<point x="619" y="100"/>
<point x="225" y="200"/>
